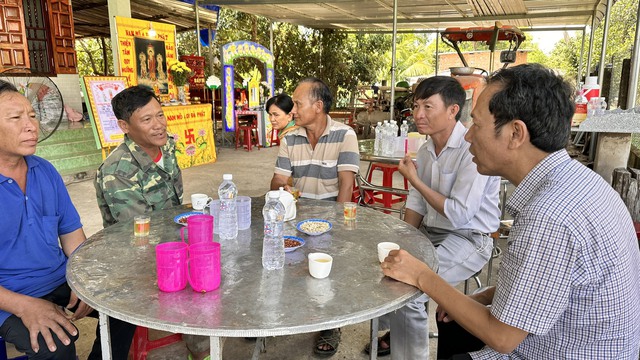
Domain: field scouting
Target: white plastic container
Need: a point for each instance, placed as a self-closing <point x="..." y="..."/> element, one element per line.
<point x="591" y="88"/>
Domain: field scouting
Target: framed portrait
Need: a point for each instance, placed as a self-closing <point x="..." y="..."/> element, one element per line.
<point x="151" y="64"/>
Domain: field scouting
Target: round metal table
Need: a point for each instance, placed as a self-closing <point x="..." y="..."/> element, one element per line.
<point x="115" y="273"/>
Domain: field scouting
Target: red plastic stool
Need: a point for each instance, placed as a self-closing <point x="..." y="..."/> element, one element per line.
<point x="387" y="199"/>
<point x="141" y="344"/>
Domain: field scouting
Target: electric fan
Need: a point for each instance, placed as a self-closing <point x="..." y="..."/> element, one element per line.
<point x="44" y="95"/>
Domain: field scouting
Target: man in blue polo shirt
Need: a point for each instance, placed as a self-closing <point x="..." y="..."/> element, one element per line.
<point x="39" y="229"/>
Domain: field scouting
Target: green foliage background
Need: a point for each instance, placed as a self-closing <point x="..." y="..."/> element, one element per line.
<point x="345" y="60"/>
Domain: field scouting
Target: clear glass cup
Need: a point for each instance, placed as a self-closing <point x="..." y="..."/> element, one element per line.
<point x="350" y="210"/>
<point x="141" y="225"/>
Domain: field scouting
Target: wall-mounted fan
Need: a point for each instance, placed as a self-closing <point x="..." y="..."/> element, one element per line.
<point x="44" y="95"/>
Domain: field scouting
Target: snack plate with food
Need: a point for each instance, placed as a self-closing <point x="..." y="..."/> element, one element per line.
<point x="292" y="242"/>
<point x="182" y="218"/>
<point x="314" y="226"/>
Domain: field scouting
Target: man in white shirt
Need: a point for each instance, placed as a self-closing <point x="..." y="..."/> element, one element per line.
<point x="450" y="202"/>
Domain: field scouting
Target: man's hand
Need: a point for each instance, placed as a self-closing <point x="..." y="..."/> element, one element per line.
<point x="402" y="266"/>
<point x="81" y="311"/>
<point x="408" y="169"/>
<point x="43" y="317"/>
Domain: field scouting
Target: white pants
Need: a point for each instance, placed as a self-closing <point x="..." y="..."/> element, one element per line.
<point x="461" y="254"/>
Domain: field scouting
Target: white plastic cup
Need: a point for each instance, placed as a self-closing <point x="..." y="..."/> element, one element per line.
<point x="384" y="248"/>
<point x="320" y="265"/>
<point x="214" y="210"/>
<point x="243" y="208"/>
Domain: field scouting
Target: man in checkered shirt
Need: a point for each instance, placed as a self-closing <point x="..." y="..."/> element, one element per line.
<point x="569" y="282"/>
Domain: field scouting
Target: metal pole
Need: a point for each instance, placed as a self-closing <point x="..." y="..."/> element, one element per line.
<point x="437" y="52"/>
<point x="271" y="36"/>
<point x="196" y="7"/>
<point x="605" y="35"/>
<point x="635" y="67"/>
<point x="591" y="34"/>
<point x="393" y="60"/>
<point x="584" y="33"/>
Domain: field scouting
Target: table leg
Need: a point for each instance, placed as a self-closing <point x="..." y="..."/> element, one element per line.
<point x="105" y="340"/>
<point x="259" y="348"/>
<point x="373" y="353"/>
<point x="216" y="348"/>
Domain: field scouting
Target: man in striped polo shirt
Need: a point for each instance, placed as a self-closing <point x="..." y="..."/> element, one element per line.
<point x="322" y="157"/>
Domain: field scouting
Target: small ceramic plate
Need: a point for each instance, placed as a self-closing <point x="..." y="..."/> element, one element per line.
<point x="182" y="218"/>
<point x="314" y="226"/>
<point x="292" y="239"/>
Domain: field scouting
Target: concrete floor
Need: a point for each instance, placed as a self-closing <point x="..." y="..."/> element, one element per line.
<point x="252" y="173"/>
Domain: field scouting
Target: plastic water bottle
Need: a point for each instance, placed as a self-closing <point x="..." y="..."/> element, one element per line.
<point x="273" y="242"/>
<point x="404" y="134"/>
<point x="227" y="192"/>
<point x="394" y="136"/>
<point x="377" y="148"/>
<point x="404" y="129"/>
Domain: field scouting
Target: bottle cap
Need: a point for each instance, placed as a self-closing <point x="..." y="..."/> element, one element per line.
<point x="591" y="80"/>
<point x="227" y="177"/>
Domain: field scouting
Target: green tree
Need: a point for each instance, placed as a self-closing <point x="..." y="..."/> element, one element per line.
<point x="622" y="23"/>
<point x="90" y="54"/>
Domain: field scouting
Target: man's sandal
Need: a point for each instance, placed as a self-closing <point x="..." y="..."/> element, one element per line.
<point x="381" y="351"/>
<point x="327" y="337"/>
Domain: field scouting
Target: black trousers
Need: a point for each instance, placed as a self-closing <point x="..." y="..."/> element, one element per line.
<point x="454" y="342"/>
<point x="13" y="331"/>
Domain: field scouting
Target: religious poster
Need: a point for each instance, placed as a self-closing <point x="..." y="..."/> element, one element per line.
<point x="191" y="127"/>
<point x="143" y="58"/>
<point x="99" y="90"/>
<point x="151" y="67"/>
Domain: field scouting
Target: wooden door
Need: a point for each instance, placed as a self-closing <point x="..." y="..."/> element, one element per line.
<point x="62" y="38"/>
<point x="13" y="41"/>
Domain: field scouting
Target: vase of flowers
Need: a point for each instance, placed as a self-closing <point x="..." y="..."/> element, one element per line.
<point x="180" y="73"/>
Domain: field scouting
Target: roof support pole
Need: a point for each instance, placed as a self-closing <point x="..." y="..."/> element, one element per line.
<point x="592" y="32"/>
<point x="584" y="33"/>
<point x="437" y="52"/>
<point x="605" y="36"/>
<point x="271" y="36"/>
<point x="197" y="10"/>
<point x="117" y="8"/>
<point x="635" y="68"/>
<point x="393" y="60"/>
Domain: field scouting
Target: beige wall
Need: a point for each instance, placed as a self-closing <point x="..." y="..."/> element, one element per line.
<point x="69" y="85"/>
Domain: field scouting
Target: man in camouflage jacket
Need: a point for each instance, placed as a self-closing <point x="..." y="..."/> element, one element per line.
<point x="142" y="174"/>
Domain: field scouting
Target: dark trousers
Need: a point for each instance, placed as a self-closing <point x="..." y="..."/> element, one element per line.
<point x="13" y="331"/>
<point x="454" y="342"/>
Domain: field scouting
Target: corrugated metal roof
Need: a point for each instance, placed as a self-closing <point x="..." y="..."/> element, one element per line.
<point x="91" y="17"/>
<point x="372" y="15"/>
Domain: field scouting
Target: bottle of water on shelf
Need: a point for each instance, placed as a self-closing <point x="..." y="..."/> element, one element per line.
<point x="228" y="223"/>
<point x="377" y="147"/>
<point x="404" y="129"/>
<point x="273" y="242"/>
<point x="394" y="136"/>
<point x="404" y="133"/>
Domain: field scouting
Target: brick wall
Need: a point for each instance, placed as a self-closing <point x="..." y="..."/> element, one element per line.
<point x="69" y="85"/>
<point x="478" y="59"/>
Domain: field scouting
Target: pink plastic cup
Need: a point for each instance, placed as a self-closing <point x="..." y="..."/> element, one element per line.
<point x="171" y="266"/>
<point x="204" y="266"/>
<point x="199" y="229"/>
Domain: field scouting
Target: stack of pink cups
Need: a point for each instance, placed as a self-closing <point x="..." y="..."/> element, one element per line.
<point x="197" y="262"/>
